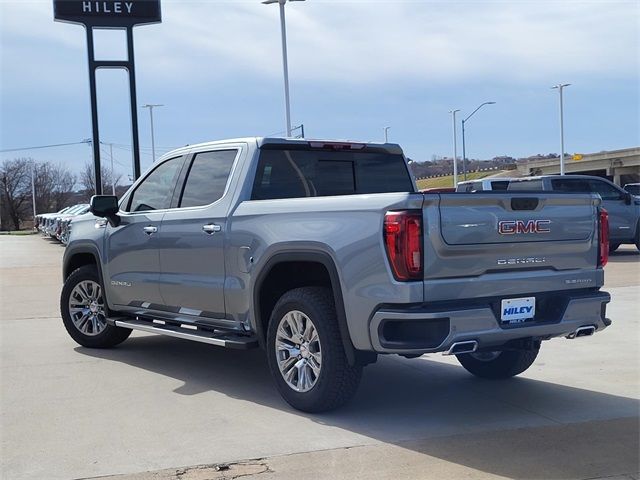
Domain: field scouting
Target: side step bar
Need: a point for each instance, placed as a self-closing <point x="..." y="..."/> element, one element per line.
<point x="203" y="336"/>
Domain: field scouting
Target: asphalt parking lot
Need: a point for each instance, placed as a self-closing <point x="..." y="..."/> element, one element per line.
<point x="155" y="406"/>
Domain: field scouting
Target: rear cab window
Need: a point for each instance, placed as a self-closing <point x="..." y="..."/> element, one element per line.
<point x="500" y="185"/>
<point x="286" y="171"/>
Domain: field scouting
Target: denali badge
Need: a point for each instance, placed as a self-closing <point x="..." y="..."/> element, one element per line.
<point x="510" y="227"/>
<point x="521" y="261"/>
<point x="117" y="283"/>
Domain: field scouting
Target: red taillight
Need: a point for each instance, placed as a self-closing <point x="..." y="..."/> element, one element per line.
<point x="603" y="234"/>
<point x="403" y="241"/>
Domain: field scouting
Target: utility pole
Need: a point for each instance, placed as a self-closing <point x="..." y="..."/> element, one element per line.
<point x="386" y="134"/>
<point x="560" y="87"/>
<point x="113" y="177"/>
<point x="151" y="106"/>
<point x="455" y="149"/>
<point x="33" y="189"/>
<point x="301" y="128"/>
<point x="1" y="198"/>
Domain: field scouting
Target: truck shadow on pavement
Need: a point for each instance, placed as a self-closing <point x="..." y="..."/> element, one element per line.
<point x="428" y="407"/>
<point x="625" y="256"/>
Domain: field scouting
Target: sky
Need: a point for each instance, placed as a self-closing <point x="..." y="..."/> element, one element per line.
<point x="355" y="67"/>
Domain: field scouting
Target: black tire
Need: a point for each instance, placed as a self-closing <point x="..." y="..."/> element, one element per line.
<point x="613" y="247"/>
<point x="506" y="364"/>
<point x="107" y="338"/>
<point x="338" y="381"/>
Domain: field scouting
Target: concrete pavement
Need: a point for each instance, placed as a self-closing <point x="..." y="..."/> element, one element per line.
<point x="155" y="404"/>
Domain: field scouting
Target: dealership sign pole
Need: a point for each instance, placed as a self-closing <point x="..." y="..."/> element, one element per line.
<point x="110" y="14"/>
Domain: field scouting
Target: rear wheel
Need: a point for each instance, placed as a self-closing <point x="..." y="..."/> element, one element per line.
<point x="305" y="352"/>
<point x="499" y="364"/>
<point x="83" y="311"/>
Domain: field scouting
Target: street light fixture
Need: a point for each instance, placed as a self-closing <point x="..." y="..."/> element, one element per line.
<point x="151" y="106"/>
<point x="455" y="148"/>
<point x="285" y="64"/>
<point x="560" y="87"/>
<point x="386" y="134"/>
<point x="464" y="152"/>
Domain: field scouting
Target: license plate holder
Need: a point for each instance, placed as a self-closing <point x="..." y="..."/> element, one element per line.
<point x="517" y="310"/>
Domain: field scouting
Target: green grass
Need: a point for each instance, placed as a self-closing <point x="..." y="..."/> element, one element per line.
<point x="19" y="232"/>
<point x="440" y="182"/>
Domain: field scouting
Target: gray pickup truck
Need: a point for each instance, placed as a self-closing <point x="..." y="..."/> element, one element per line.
<point x="324" y="254"/>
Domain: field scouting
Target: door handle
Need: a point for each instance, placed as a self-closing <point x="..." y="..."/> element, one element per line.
<point x="150" y="229"/>
<point x="211" y="228"/>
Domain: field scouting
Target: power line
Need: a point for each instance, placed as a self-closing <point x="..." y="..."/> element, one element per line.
<point x="43" y="146"/>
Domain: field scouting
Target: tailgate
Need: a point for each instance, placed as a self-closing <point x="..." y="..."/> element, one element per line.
<point x="504" y="244"/>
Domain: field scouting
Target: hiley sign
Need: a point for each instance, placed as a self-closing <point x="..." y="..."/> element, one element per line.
<point x="110" y="14"/>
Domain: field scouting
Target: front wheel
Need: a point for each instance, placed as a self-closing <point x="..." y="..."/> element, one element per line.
<point x="306" y="354"/>
<point x="499" y="364"/>
<point x="83" y="311"/>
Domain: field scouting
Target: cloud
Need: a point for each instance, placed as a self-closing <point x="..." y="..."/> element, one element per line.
<point x="363" y="42"/>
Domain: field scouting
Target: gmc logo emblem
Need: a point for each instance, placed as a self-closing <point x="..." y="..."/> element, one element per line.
<point x="511" y="227"/>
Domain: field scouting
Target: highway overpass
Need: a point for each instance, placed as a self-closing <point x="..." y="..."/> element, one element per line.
<point x="621" y="166"/>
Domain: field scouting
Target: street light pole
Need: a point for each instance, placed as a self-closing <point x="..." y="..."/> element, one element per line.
<point x="560" y="87"/>
<point x="151" y="106"/>
<point x="455" y="149"/>
<point x="285" y="63"/>
<point x="464" y="152"/>
<point x="386" y="134"/>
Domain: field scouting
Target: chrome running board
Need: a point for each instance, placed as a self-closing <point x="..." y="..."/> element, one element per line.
<point x="189" y="333"/>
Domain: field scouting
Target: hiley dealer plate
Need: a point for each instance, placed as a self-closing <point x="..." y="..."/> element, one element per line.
<point x="516" y="310"/>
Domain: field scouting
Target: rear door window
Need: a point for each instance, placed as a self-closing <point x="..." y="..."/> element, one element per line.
<point x="606" y="191"/>
<point x="575" y="185"/>
<point x="207" y="177"/>
<point x="526" y="185"/>
<point x="295" y="173"/>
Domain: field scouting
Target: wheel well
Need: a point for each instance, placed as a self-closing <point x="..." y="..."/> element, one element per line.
<point x="286" y="276"/>
<point x="77" y="261"/>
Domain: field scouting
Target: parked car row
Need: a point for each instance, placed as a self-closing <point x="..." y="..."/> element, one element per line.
<point x="58" y="224"/>
<point x="623" y="205"/>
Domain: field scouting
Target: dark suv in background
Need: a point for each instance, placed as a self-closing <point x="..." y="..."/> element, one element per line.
<point x="622" y="206"/>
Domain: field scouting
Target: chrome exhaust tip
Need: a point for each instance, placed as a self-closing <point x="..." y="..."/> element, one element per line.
<point x="468" y="346"/>
<point x="582" y="332"/>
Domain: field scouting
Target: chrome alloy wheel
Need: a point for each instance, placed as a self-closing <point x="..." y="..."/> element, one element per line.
<point x="298" y="351"/>
<point x="86" y="308"/>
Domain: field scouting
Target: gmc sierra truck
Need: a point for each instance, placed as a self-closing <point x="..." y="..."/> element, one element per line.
<point x="324" y="254"/>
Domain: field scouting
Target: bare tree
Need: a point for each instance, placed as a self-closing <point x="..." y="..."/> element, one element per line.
<point x="63" y="184"/>
<point x="15" y="184"/>
<point x="53" y="185"/>
<point x="88" y="183"/>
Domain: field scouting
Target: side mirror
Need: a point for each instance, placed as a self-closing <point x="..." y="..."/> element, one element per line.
<point x="105" y="206"/>
<point x="627" y="198"/>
